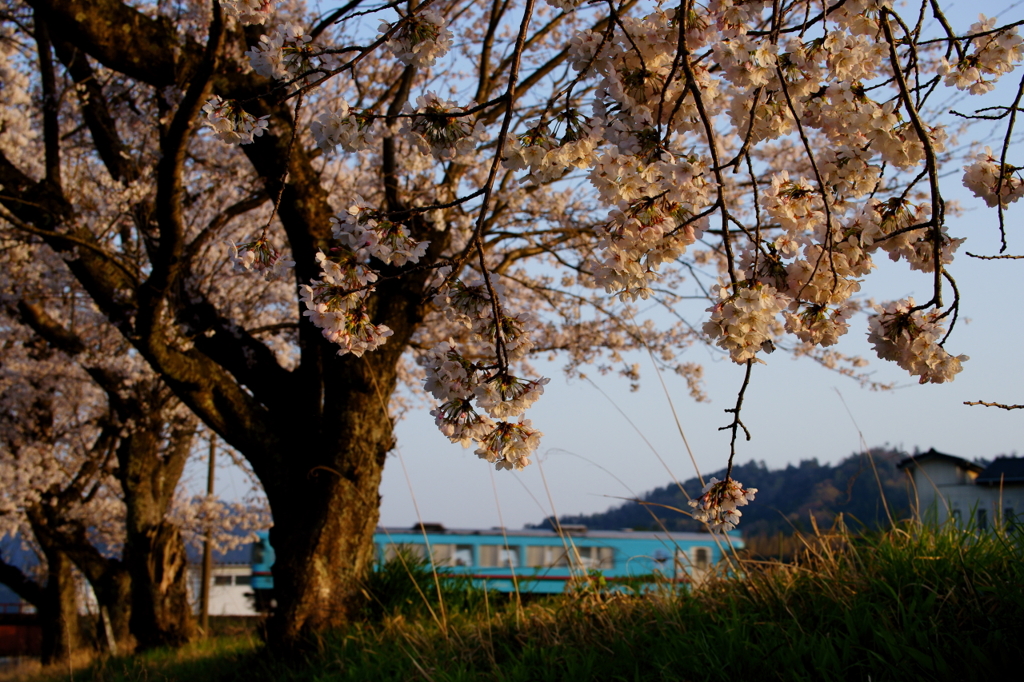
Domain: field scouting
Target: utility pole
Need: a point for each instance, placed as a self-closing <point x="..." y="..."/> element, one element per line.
<point x="204" y="592"/>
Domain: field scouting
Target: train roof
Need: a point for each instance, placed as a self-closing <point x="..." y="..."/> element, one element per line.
<point x="572" y="531"/>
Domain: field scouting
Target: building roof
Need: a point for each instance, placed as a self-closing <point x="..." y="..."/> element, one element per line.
<point x="1002" y="470"/>
<point x="935" y="456"/>
<point x="238" y="556"/>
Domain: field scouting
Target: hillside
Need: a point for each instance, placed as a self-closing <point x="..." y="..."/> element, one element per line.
<point x="786" y="499"/>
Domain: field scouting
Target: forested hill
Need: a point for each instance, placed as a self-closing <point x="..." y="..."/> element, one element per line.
<point x="785" y="499"/>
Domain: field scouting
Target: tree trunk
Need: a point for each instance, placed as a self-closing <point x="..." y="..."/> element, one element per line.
<point x="154" y="552"/>
<point x="161" y="613"/>
<point x="58" y="610"/>
<point x="113" y="592"/>
<point x="325" y="516"/>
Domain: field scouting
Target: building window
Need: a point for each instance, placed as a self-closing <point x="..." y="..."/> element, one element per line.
<point x="1009" y="522"/>
<point x="956" y="517"/>
<point x="982" y="516"/>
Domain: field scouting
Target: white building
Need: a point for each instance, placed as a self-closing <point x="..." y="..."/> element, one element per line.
<point x="230" y="582"/>
<point x="980" y="496"/>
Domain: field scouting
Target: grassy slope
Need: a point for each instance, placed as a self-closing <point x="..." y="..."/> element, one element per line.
<point x="906" y="604"/>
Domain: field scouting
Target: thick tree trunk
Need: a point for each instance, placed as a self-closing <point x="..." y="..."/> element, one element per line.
<point x="154" y="552"/>
<point x="325" y="517"/>
<point x="161" y="613"/>
<point x="113" y="592"/>
<point x="58" y="609"/>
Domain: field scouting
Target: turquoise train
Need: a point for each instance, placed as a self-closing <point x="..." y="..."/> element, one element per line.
<point x="536" y="560"/>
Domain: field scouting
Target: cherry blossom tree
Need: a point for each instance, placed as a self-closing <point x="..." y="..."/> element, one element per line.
<point x="91" y="461"/>
<point x="57" y="444"/>
<point x="93" y="449"/>
<point x="469" y="184"/>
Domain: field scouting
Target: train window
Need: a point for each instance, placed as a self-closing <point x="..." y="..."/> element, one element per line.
<point x="463" y="555"/>
<point x="222" y="580"/>
<point x="258" y="552"/>
<point x="585" y="556"/>
<point x="546" y="556"/>
<point x="441" y="554"/>
<point x="488" y="556"/>
<point x="701" y="558"/>
<point x="508" y="557"/>
<point x="499" y="556"/>
<point x="416" y="551"/>
<point x="243" y="580"/>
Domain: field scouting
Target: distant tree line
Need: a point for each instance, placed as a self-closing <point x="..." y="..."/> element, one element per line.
<point x="786" y="500"/>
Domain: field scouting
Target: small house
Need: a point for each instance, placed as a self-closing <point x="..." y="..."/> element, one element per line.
<point x="973" y="494"/>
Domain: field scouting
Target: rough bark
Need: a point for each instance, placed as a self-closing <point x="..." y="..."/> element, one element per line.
<point x="68" y="541"/>
<point x="58" y="609"/>
<point x="154" y="551"/>
<point x="324" y="523"/>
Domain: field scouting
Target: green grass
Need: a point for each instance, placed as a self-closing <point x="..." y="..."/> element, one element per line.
<point x="907" y="604"/>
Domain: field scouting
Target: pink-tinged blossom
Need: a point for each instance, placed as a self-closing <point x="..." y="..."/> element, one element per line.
<point x="230" y="123"/>
<point x="420" y="39"/>
<point x="744" y="322"/>
<point x="349" y="327"/>
<point x="992" y="55"/>
<point x="248" y="11"/>
<point x="261" y="257"/>
<point x="984" y="178"/>
<point x="509" y="444"/>
<point x="911" y="339"/>
<point x="370" y="235"/>
<point x="717" y="505"/>
<point x="439" y="128"/>
<point x="283" y="54"/>
<point x="344" y="127"/>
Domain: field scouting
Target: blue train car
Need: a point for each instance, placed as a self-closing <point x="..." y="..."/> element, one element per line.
<point x="538" y="561"/>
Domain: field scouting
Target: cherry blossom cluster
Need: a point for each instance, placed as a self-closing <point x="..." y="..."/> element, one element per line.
<point x="353" y="131"/>
<point x="369" y="235"/>
<point x="457" y="383"/>
<point x="420" y="39"/>
<point x="548" y="156"/>
<point x="439" y="127"/>
<point x="261" y="257"/>
<point x="744" y="322"/>
<point x="232" y="124"/>
<point x="993" y="54"/>
<point x="912" y="339"/>
<point x="286" y="53"/>
<point x="984" y="178"/>
<point x="248" y="11"/>
<point x="718" y="503"/>
<point x="565" y="5"/>
<point x="336" y="302"/>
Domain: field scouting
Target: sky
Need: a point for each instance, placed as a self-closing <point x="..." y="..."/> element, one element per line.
<point x="604" y="444"/>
